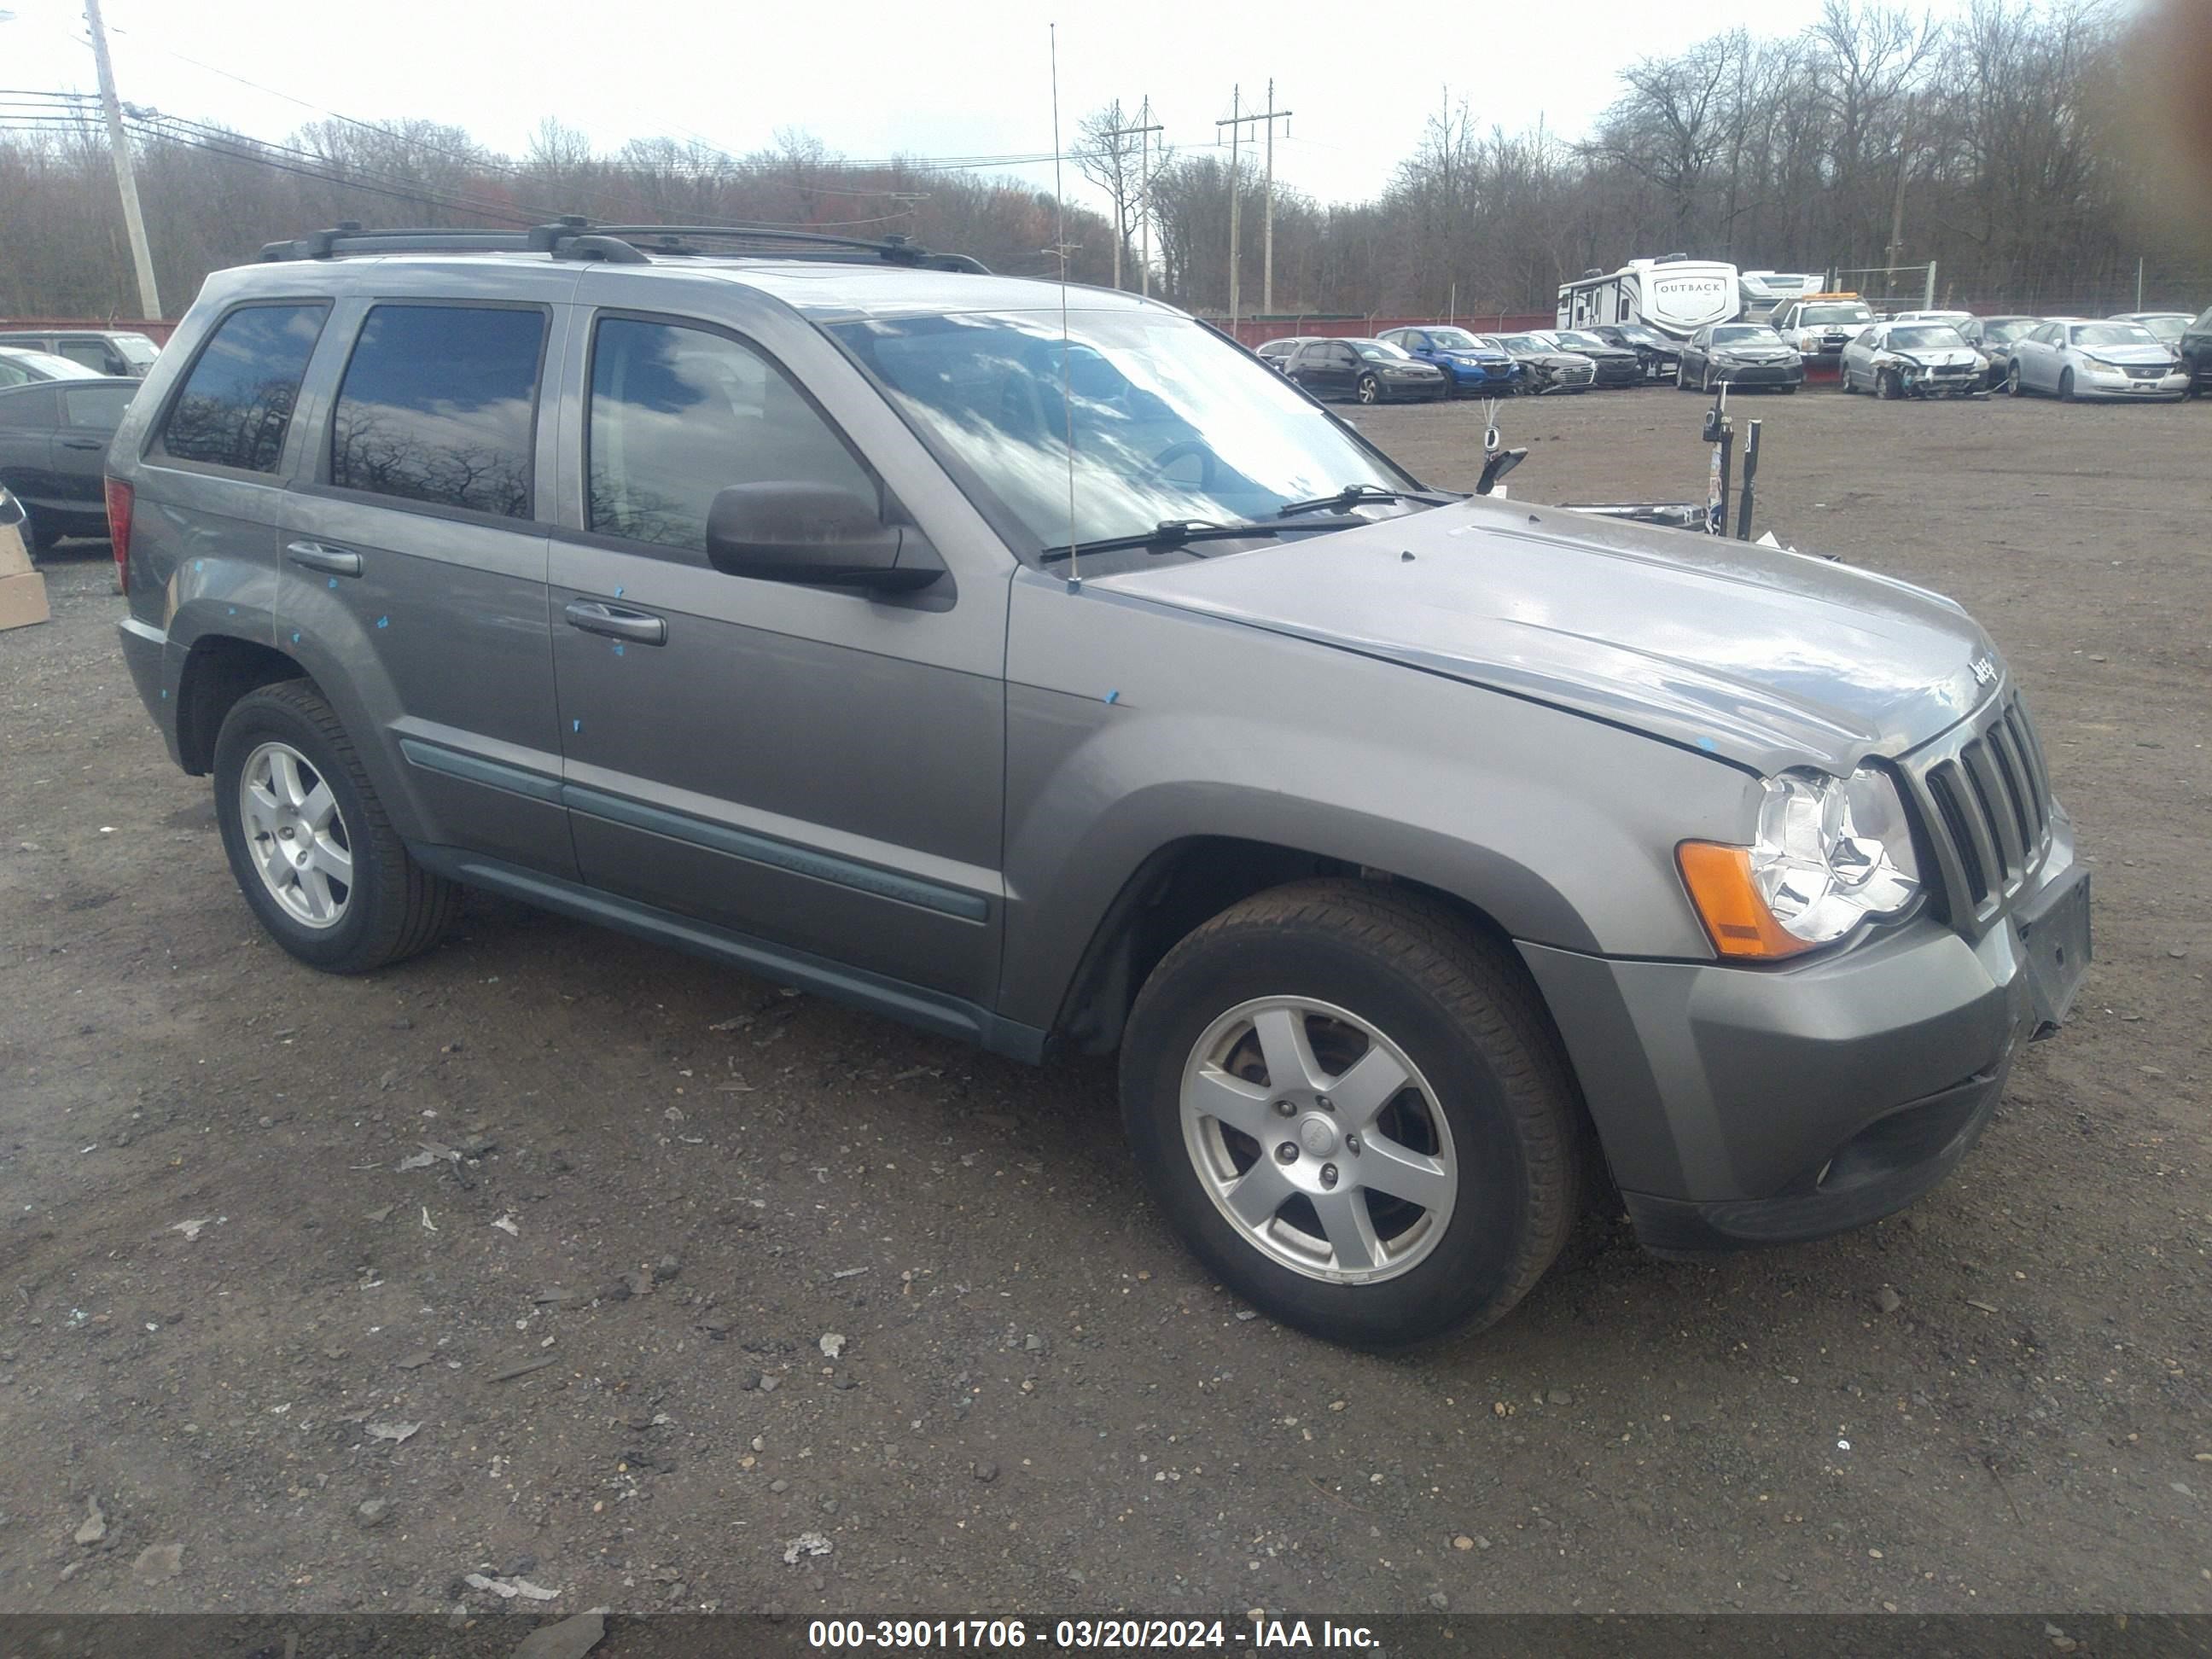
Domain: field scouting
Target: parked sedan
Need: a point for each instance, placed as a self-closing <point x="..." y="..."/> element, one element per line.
<point x="25" y="367"/>
<point x="121" y="353"/>
<point x="2095" y="360"/>
<point x="1657" y="352"/>
<point x="1276" y="353"/>
<point x="1545" y="367"/>
<point x="1468" y="364"/>
<point x="1369" y="370"/>
<point x="53" y="450"/>
<point x="1912" y="360"/>
<point x="1993" y="336"/>
<point x="1739" y="354"/>
<point x="1615" y="366"/>
<point x="2195" y="351"/>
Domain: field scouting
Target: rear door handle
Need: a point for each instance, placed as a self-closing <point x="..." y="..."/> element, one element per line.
<point x="596" y="617"/>
<point x="332" y="561"/>
<point x="83" y="443"/>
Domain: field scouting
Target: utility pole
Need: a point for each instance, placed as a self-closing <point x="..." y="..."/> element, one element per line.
<point x="1114" y="138"/>
<point x="1235" y="188"/>
<point x="1145" y="219"/>
<point x="149" y="298"/>
<point x="1235" y="123"/>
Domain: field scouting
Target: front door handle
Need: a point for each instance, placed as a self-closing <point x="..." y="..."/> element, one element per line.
<point x="83" y="443"/>
<point x="331" y="561"/>
<point x="596" y="617"/>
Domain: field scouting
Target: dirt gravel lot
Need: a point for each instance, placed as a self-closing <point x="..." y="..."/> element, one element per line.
<point x="222" y="1290"/>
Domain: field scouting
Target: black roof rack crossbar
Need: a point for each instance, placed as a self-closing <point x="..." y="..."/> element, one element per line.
<point x="893" y="249"/>
<point x="577" y="237"/>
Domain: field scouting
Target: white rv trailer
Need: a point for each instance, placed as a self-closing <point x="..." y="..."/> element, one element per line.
<point x="1766" y="292"/>
<point x="1676" y="295"/>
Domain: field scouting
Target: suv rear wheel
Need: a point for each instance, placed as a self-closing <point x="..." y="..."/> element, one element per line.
<point x="308" y="841"/>
<point x="1355" y="1111"/>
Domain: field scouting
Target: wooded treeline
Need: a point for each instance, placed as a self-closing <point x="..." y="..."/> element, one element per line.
<point x="1997" y="143"/>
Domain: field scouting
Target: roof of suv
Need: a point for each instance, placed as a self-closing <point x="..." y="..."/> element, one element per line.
<point x="823" y="290"/>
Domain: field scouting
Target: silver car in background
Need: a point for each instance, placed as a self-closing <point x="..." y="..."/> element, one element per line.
<point x="1912" y="360"/>
<point x="2076" y="360"/>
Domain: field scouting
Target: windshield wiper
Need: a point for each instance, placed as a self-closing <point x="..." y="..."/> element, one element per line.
<point x="1164" y="537"/>
<point x="1353" y="496"/>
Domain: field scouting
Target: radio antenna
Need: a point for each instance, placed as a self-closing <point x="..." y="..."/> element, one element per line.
<point x="1066" y="371"/>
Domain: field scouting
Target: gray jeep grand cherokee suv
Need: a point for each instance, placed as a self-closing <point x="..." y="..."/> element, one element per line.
<point x="856" y="617"/>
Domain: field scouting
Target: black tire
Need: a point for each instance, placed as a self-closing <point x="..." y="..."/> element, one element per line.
<point x="1681" y="377"/>
<point x="1786" y="390"/>
<point x="2014" y="387"/>
<point x="1844" y="379"/>
<point x="1886" y="386"/>
<point x="1705" y="380"/>
<point x="1463" y="1012"/>
<point x="394" y="907"/>
<point x="1369" y="389"/>
<point x="2065" y="385"/>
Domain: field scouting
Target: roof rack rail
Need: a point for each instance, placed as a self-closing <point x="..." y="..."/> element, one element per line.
<point x="893" y="249"/>
<point x="573" y="237"/>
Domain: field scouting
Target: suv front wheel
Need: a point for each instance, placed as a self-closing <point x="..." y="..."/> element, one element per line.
<point x="309" y="842"/>
<point x="1354" y="1109"/>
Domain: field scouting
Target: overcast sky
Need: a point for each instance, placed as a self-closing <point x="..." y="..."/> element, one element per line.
<point x="874" y="80"/>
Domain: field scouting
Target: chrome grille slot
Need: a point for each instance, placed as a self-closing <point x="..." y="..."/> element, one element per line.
<point x="1985" y="802"/>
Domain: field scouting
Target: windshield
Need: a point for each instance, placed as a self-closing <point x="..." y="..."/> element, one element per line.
<point x="1381" y="351"/>
<point x="45" y="366"/>
<point x="2166" y="329"/>
<point x="1813" y="316"/>
<point x="2112" y="334"/>
<point x="1453" y="339"/>
<point x="1522" y="342"/>
<point x="1745" y="334"/>
<point x="1641" y="334"/>
<point x="137" y="348"/>
<point x="2010" y="328"/>
<point x="1169" y="421"/>
<point x="1925" y="337"/>
<point x="1575" y="340"/>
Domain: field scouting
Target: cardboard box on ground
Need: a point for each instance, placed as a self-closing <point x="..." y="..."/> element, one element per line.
<point x="23" y="590"/>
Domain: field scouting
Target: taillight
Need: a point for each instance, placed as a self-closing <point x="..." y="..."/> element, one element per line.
<point x="119" y="525"/>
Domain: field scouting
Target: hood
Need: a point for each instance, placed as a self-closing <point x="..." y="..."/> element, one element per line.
<point x="1932" y="357"/>
<point x="1558" y="359"/>
<point x="2143" y="356"/>
<point x="1760" y="656"/>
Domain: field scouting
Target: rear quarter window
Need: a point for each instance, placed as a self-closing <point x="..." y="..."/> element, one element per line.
<point x="236" y="402"/>
<point x="439" y="405"/>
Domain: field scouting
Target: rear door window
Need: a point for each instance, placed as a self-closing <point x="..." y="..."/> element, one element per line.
<point x="439" y="405"/>
<point x="236" y="404"/>
<point x="92" y="353"/>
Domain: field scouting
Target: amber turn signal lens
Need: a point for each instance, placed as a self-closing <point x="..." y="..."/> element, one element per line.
<point x="1728" y="901"/>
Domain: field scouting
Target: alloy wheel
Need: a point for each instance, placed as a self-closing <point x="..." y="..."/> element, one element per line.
<point x="296" y="835"/>
<point x="1318" y="1140"/>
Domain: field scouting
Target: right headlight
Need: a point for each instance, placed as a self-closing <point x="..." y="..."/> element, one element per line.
<point x="1829" y="853"/>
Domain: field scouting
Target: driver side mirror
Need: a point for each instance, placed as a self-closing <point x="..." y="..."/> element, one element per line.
<point x="815" y="535"/>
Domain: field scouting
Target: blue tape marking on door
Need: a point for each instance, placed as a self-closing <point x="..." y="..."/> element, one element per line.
<point x="384" y="621"/>
<point x="295" y="636"/>
<point x="198" y="565"/>
<point x="575" y="725"/>
<point x="334" y="581"/>
<point x="233" y="610"/>
<point x="618" y="592"/>
<point x="618" y="650"/>
<point x="1113" y="696"/>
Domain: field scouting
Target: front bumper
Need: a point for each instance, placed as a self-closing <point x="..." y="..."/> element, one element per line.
<point x="1741" y="1107"/>
<point x="2130" y="388"/>
<point x="1789" y="373"/>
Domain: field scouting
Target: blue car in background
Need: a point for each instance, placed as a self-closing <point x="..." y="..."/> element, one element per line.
<point x="1470" y="364"/>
